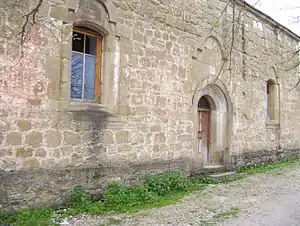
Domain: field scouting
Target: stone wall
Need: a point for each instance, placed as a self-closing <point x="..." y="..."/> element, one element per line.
<point x="159" y="58"/>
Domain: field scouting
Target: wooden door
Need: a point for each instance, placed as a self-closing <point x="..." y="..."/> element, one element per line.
<point x="204" y="135"/>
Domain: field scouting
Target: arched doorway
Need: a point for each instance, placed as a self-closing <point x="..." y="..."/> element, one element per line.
<point x="213" y="126"/>
<point x="205" y="130"/>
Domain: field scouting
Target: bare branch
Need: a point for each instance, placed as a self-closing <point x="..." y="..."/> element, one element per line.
<point x="27" y="16"/>
<point x="295" y="53"/>
<point x="216" y="22"/>
<point x="295" y="86"/>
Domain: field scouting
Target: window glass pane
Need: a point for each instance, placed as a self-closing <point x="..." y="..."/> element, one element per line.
<point x="78" y="42"/>
<point x="89" y="83"/>
<point x="77" y="75"/>
<point x="91" y="45"/>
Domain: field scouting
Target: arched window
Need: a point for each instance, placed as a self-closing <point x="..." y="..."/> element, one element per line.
<point x="86" y="64"/>
<point x="271" y="99"/>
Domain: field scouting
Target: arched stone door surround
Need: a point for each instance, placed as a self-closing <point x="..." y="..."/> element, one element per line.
<point x="213" y="125"/>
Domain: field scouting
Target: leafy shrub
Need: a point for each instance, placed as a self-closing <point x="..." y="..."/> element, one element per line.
<point x="80" y="201"/>
<point x="158" y="190"/>
<point x="168" y="183"/>
<point x="266" y="167"/>
<point x="39" y="217"/>
<point x="78" y="198"/>
<point x="121" y="198"/>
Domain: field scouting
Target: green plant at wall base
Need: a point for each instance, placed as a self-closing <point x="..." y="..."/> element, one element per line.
<point x="80" y="202"/>
<point x="39" y="217"/>
<point x="157" y="191"/>
<point x="267" y="167"/>
<point x="166" y="183"/>
<point x="120" y="198"/>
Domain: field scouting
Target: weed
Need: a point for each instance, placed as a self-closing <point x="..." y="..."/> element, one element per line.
<point x="231" y="213"/>
<point x="39" y="217"/>
<point x="124" y="199"/>
<point x="166" y="183"/>
<point x="80" y="202"/>
<point x="157" y="191"/>
<point x="267" y="167"/>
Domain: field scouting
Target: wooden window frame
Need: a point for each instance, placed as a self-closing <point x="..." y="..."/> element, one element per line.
<point x="98" y="77"/>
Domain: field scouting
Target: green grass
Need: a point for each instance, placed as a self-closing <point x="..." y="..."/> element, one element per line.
<point x="157" y="191"/>
<point x="267" y="167"/>
<point x="39" y="217"/>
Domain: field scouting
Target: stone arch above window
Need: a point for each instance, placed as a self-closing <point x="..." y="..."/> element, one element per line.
<point x="93" y="20"/>
<point x="272" y="74"/>
<point x="272" y="97"/>
<point x="96" y="14"/>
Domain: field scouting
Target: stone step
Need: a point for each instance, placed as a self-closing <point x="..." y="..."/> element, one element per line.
<point x="221" y="176"/>
<point x="212" y="169"/>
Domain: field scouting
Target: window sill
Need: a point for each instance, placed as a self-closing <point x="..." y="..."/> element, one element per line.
<point x="272" y="124"/>
<point x="92" y="107"/>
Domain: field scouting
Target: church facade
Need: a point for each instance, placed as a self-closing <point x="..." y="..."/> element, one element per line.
<point x="95" y="91"/>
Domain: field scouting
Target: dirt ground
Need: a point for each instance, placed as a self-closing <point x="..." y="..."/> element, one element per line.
<point x="271" y="199"/>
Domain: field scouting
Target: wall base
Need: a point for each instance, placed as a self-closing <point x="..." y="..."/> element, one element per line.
<point x="33" y="189"/>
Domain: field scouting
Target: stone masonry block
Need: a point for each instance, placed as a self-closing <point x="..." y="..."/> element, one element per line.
<point x="125" y="148"/>
<point x="13" y="138"/>
<point x="24" y="153"/>
<point x="72" y="4"/>
<point x="108" y="137"/>
<point x="122" y="137"/>
<point x="24" y="125"/>
<point x="155" y="128"/>
<point x="160" y="138"/>
<point x="30" y="164"/>
<point x="53" y="138"/>
<point x="41" y="152"/>
<point x="71" y="138"/>
<point x="34" y="139"/>
<point x="59" y="13"/>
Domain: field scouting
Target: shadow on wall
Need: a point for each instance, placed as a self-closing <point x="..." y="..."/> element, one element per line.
<point x="96" y="120"/>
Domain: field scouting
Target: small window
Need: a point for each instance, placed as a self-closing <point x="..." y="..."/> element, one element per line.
<point x="271" y="98"/>
<point x="86" y="64"/>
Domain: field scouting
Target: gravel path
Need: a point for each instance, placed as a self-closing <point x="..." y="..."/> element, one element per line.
<point x="262" y="199"/>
